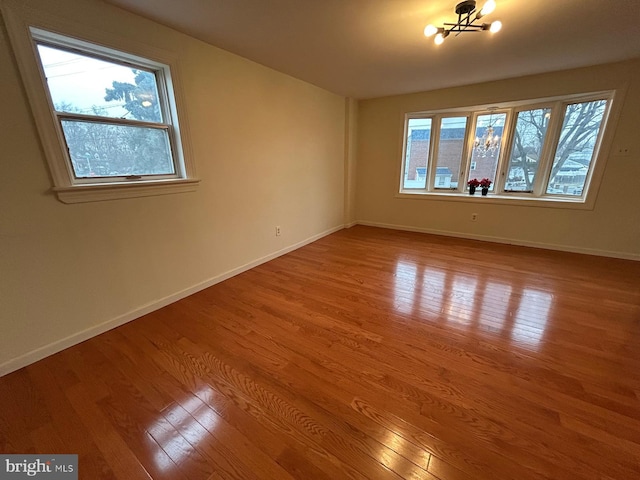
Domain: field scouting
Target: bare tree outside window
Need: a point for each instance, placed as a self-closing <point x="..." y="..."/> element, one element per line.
<point x="574" y="153"/>
<point x="529" y="138"/>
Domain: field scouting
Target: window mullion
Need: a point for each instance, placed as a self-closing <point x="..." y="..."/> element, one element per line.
<point x="465" y="159"/>
<point x="465" y="168"/>
<point x="508" y="137"/>
<point x="434" y="146"/>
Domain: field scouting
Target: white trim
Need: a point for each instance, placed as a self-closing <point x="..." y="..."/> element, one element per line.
<point x="112" y="191"/>
<point x="502" y="199"/>
<point x="504" y="240"/>
<point x="59" y="345"/>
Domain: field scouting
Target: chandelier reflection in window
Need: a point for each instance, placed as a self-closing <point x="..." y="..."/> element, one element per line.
<point x="489" y="143"/>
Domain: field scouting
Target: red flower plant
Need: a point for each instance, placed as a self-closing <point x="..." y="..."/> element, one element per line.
<point x="485" y="183"/>
<point x="473" y="183"/>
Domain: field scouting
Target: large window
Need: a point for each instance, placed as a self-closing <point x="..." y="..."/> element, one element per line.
<point x="112" y="116"/>
<point x="543" y="150"/>
<point x="108" y="119"/>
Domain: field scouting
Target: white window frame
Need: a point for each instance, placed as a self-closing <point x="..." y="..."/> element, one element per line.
<point x="25" y="33"/>
<point x="434" y="148"/>
<point x="555" y="122"/>
<point x="499" y="195"/>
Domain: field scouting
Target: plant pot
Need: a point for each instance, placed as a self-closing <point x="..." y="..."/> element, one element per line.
<point x="485" y="190"/>
<point x="472" y="190"/>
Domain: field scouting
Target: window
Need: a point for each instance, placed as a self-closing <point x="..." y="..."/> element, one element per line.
<point x="108" y="119"/>
<point x="450" y="151"/>
<point x="417" y="148"/>
<point x="111" y="116"/>
<point x="537" y="150"/>
<point x="487" y="144"/>
<point x="529" y="137"/>
<point x="575" y="149"/>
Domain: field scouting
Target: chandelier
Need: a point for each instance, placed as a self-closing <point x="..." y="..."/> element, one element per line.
<point x="466" y="21"/>
<point x="489" y="142"/>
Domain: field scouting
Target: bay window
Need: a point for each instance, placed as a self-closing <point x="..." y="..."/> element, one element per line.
<point x="536" y="150"/>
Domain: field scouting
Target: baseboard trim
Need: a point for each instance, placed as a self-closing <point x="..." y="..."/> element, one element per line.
<point x="509" y="241"/>
<point x="59" y="345"/>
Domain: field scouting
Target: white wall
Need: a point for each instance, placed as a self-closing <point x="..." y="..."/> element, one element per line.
<point x="269" y="150"/>
<point x="612" y="227"/>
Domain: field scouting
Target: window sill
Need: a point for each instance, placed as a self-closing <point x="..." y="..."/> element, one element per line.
<point x="578" y="203"/>
<point x="114" y="191"/>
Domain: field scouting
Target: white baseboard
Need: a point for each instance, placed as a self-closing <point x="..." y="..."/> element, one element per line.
<point x="509" y="241"/>
<point x="59" y="345"/>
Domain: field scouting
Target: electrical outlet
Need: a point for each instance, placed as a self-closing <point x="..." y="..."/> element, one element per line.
<point x="474" y="217"/>
<point x="278" y="231"/>
<point x="622" y="151"/>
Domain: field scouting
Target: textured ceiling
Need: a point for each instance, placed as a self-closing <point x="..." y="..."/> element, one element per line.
<point x="373" y="48"/>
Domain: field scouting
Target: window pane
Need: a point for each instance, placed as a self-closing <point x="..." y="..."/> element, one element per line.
<point x="486" y="149"/>
<point x="417" y="156"/>
<point x="103" y="150"/>
<point x="529" y="136"/>
<point x="82" y="84"/>
<point x="451" y="143"/>
<point x="576" y="147"/>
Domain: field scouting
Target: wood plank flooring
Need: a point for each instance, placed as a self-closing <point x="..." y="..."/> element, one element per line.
<point x="369" y="354"/>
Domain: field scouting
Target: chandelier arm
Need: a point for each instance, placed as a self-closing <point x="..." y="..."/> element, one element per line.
<point x="463" y="28"/>
<point x="471" y="28"/>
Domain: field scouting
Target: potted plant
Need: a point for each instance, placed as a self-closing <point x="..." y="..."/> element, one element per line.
<point x="485" y="183"/>
<point x="473" y="184"/>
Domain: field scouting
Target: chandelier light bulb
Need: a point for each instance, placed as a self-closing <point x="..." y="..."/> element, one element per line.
<point x="488" y="7"/>
<point x="430" y="30"/>
<point x="495" y="26"/>
<point x="439" y="39"/>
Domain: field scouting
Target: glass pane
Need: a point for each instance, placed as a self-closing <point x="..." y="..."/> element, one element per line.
<point x="576" y="147"/>
<point x="531" y="130"/>
<point x="103" y="150"/>
<point x="452" y="134"/>
<point x="81" y="84"/>
<point x="487" y="145"/>
<point x="417" y="156"/>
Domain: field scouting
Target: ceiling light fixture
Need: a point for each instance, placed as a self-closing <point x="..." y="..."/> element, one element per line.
<point x="466" y="21"/>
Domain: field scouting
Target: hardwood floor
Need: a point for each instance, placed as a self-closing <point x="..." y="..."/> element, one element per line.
<point x="369" y="354"/>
